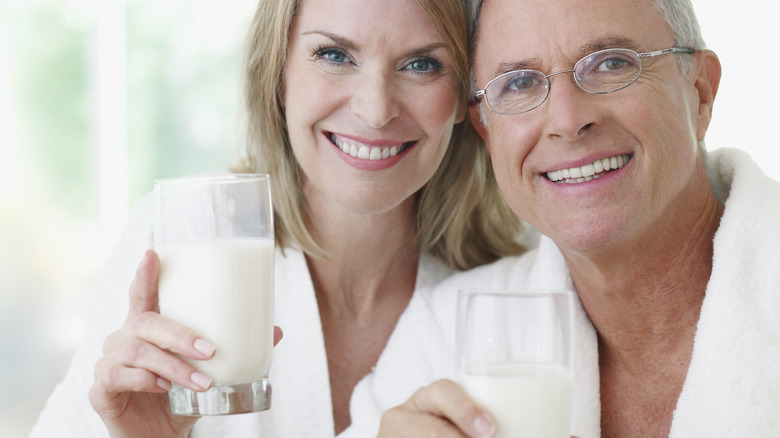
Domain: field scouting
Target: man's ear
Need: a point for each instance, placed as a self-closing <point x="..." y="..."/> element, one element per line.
<point x="707" y="78"/>
<point x="475" y="115"/>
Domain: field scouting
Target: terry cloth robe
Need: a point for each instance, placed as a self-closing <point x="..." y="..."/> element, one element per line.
<point x="301" y="401"/>
<point x="732" y="389"/>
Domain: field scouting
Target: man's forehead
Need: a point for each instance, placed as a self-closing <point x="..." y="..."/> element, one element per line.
<point x="518" y="34"/>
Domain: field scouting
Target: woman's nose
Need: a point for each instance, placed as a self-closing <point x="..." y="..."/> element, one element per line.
<point x="374" y="99"/>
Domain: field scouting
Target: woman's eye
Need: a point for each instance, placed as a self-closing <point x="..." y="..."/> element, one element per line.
<point x="335" y="56"/>
<point x="424" y="65"/>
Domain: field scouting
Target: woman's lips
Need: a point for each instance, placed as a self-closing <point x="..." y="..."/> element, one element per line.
<point x="365" y="151"/>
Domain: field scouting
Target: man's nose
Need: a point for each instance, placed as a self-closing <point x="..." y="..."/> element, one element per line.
<point x="569" y="109"/>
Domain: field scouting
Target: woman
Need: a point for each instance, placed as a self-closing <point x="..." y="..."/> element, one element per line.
<point x="351" y="107"/>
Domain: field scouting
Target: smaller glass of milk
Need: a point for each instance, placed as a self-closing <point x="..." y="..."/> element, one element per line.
<point x="215" y="239"/>
<point x="514" y="353"/>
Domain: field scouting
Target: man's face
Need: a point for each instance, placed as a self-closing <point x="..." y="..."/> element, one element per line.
<point x="653" y="125"/>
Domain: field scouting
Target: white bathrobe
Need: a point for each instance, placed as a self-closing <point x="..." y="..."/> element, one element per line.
<point x="732" y="389"/>
<point x="301" y="401"/>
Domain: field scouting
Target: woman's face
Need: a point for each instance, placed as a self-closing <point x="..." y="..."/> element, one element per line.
<point x="370" y="99"/>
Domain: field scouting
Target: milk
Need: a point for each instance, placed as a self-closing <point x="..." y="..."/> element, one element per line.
<point x="525" y="400"/>
<point x="223" y="289"/>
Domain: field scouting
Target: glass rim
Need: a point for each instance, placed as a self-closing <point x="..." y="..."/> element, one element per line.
<point x="508" y="292"/>
<point x="224" y="178"/>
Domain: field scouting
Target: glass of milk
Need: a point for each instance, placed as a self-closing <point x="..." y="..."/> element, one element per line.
<point x="215" y="239"/>
<point x="514" y="351"/>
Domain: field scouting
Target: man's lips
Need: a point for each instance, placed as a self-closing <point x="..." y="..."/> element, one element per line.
<point x="589" y="171"/>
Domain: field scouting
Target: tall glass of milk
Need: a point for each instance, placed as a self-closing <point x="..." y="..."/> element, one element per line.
<point x="514" y="352"/>
<point x="215" y="239"/>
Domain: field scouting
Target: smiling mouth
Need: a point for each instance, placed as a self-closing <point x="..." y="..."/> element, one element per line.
<point x="588" y="172"/>
<point x="366" y="152"/>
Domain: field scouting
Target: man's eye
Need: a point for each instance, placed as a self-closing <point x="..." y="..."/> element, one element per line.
<point x="613" y="64"/>
<point x="522" y="82"/>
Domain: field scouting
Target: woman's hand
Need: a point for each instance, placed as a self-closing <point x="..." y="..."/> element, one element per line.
<point x="138" y="365"/>
<point x="442" y="409"/>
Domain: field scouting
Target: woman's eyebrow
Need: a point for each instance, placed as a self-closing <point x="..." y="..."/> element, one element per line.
<point x="426" y="49"/>
<point x="339" y="40"/>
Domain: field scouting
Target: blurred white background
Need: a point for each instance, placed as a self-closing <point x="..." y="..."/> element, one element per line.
<point x="100" y="97"/>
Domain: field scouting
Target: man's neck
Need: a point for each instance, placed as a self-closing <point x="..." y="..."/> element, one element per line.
<point x="643" y="296"/>
<point x="645" y="304"/>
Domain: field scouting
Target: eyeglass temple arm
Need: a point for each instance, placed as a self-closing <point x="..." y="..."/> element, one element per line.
<point x="665" y="51"/>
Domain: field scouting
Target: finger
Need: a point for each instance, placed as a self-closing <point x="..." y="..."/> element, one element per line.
<point x="113" y="378"/>
<point x="277" y="334"/>
<point x="406" y="422"/>
<point x="447" y="399"/>
<point x="120" y="369"/>
<point x="170" y="335"/>
<point x="143" y="289"/>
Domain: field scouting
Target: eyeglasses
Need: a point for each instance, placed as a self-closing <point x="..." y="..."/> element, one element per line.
<point x="601" y="72"/>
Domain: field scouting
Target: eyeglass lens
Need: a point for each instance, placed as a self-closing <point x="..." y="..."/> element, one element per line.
<point x="601" y="72"/>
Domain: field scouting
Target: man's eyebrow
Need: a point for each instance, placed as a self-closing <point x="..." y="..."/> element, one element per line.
<point x="518" y="64"/>
<point x="609" y="42"/>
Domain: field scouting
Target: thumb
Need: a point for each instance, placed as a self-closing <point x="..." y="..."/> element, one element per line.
<point x="143" y="289"/>
<point x="277" y="334"/>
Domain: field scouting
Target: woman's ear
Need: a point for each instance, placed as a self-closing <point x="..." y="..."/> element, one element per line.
<point x="460" y="115"/>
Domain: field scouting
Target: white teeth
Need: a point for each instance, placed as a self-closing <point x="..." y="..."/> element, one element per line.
<point x="366" y="152"/>
<point x="589" y="171"/>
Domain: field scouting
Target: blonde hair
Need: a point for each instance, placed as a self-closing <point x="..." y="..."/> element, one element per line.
<point x="462" y="217"/>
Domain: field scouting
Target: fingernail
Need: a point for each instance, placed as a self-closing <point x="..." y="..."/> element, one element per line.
<point x="164" y="384"/>
<point x="143" y="259"/>
<point x="204" y="347"/>
<point x="200" y="380"/>
<point x="483" y="426"/>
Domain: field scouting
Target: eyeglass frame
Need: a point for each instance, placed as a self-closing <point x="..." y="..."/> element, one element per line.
<point x="481" y="93"/>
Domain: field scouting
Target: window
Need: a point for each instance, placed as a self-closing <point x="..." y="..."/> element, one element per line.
<point x="97" y="99"/>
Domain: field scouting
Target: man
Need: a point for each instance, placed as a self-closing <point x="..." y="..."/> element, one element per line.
<point x="595" y="114"/>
